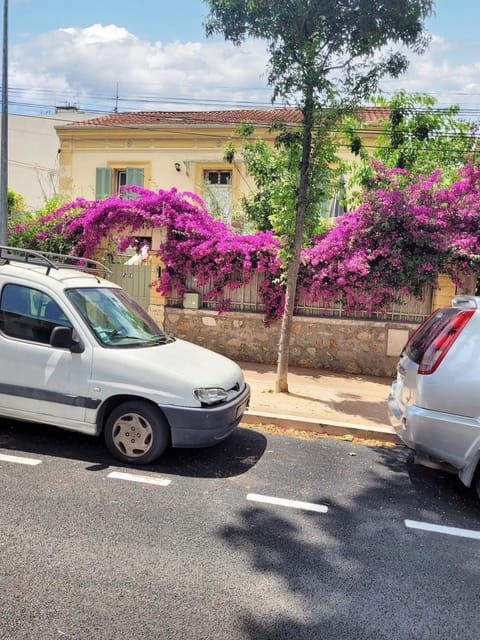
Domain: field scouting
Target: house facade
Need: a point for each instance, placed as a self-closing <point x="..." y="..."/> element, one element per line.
<point x="161" y="150"/>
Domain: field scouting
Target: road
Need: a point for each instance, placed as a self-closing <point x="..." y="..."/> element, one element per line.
<point x="262" y="537"/>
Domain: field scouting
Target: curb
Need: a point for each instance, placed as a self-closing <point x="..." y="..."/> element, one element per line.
<point x="326" y="427"/>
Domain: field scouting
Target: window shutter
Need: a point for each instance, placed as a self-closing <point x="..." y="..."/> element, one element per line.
<point x="337" y="205"/>
<point x="103" y="183"/>
<point x="135" y="176"/>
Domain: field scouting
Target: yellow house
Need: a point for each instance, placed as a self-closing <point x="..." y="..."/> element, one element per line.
<point x="165" y="149"/>
<point x="182" y="149"/>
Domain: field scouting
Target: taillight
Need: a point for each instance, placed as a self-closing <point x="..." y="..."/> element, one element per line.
<point x="436" y="352"/>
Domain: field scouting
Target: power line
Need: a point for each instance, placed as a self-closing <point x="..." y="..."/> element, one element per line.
<point x="42" y="99"/>
<point x="108" y="102"/>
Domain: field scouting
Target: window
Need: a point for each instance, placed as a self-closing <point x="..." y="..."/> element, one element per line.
<point x="217" y="193"/>
<point x="29" y="314"/>
<point x="218" y="177"/>
<point x="120" y="176"/>
<point x="109" y="181"/>
<point x="337" y="204"/>
<point x="115" y="319"/>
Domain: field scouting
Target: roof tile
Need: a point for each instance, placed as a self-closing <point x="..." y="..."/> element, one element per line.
<point x="260" y="117"/>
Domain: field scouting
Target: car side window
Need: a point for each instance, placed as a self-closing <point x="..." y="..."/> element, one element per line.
<point x="29" y="314"/>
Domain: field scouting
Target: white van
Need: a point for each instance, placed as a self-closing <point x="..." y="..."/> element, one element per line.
<point x="77" y="352"/>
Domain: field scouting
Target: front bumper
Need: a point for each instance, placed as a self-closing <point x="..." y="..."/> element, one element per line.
<point x="205" y="426"/>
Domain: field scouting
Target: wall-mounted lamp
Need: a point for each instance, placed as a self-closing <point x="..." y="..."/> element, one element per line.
<point x="177" y="166"/>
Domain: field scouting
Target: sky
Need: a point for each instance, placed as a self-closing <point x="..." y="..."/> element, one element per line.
<point x="102" y="55"/>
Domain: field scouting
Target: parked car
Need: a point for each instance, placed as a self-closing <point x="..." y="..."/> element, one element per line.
<point x="77" y="352"/>
<point x="434" y="404"/>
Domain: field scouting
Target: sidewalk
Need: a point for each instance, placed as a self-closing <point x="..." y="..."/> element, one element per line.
<point x="321" y="401"/>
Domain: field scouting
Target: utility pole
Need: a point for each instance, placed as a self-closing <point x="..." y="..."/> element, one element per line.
<point x="4" y="136"/>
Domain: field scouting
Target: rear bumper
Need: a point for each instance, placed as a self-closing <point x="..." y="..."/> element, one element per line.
<point x="445" y="437"/>
<point x="398" y="417"/>
<point x="205" y="426"/>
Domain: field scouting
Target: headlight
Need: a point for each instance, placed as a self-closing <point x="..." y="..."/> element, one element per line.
<point x="211" y="396"/>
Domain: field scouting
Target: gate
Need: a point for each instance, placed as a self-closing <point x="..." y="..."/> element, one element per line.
<point x="134" y="279"/>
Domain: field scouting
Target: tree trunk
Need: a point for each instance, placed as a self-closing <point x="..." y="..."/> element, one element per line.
<point x="281" y="382"/>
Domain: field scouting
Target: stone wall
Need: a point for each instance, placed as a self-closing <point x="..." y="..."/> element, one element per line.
<point x="352" y="346"/>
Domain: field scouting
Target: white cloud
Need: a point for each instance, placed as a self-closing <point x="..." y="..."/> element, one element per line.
<point x="97" y="34"/>
<point x="72" y="64"/>
<point x="84" y="67"/>
<point x="443" y="72"/>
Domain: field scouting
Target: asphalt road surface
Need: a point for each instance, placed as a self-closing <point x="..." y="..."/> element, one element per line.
<point x="261" y="537"/>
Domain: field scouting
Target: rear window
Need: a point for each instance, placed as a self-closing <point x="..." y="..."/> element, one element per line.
<point x="428" y="331"/>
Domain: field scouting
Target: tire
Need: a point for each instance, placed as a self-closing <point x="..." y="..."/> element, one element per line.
<point x="476" y="482"/>
<point x="136" y="432"/>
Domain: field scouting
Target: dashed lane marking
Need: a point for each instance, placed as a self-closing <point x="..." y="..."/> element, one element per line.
<point x="19" y="460"/>
<point x="131" y="477"/>
<point x="449" y="531"/>
<point x="293" y="504"/>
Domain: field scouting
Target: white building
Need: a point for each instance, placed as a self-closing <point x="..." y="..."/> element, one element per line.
<point x="33" y="153"/>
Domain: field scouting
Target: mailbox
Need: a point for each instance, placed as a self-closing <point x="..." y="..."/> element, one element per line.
<point x="191" y="300"/>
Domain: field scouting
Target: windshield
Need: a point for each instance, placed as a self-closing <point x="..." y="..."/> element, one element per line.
<point x="116" y="319"/>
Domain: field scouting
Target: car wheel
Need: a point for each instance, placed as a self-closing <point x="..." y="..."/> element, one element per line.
<point x="476" y="481"/>
<point x="136" y="432"/>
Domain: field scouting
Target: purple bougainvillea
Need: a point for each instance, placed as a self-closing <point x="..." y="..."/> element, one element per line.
<point x="397" y="241"/>
<point x="403" y="235"/>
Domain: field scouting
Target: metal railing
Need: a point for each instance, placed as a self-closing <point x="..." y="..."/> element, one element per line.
<point x="246" y="299"/>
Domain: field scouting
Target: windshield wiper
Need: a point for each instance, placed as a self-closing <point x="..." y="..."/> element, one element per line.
<point x="165" y="339"/>
<point x="118" y="335"/>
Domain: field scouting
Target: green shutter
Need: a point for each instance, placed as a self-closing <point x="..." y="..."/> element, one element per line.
<point x="135" y="176"/>
<point x="103" y="183"/>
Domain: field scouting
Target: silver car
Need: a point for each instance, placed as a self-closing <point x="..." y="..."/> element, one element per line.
<point x="434" y="404"/>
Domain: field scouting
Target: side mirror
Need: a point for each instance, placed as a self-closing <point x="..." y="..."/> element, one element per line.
<point x="62" y="338"/>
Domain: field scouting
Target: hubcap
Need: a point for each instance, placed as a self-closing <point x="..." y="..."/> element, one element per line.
<point x="132" y="435"/>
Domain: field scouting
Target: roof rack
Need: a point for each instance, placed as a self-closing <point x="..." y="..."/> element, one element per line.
<point x="52" y="260"/>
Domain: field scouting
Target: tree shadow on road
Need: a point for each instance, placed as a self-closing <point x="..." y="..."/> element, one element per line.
<point x="357" y="572"/>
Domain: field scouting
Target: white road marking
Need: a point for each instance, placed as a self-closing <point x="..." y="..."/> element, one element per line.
<point x="131" y="477"/>
<point x="436" y="528"/>
<point x="294" y="504"/>
<point x="18" y="460"/>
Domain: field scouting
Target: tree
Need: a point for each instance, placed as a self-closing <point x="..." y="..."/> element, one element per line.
<point x="42" y="229"/>
<point x="326" y="56"/>
<point x="16" y="203"/>
<point x="415" y="135"/>
<point x="275" y="171"/>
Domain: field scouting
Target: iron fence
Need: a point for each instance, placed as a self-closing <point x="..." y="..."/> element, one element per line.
<point x="246" y="298"/>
